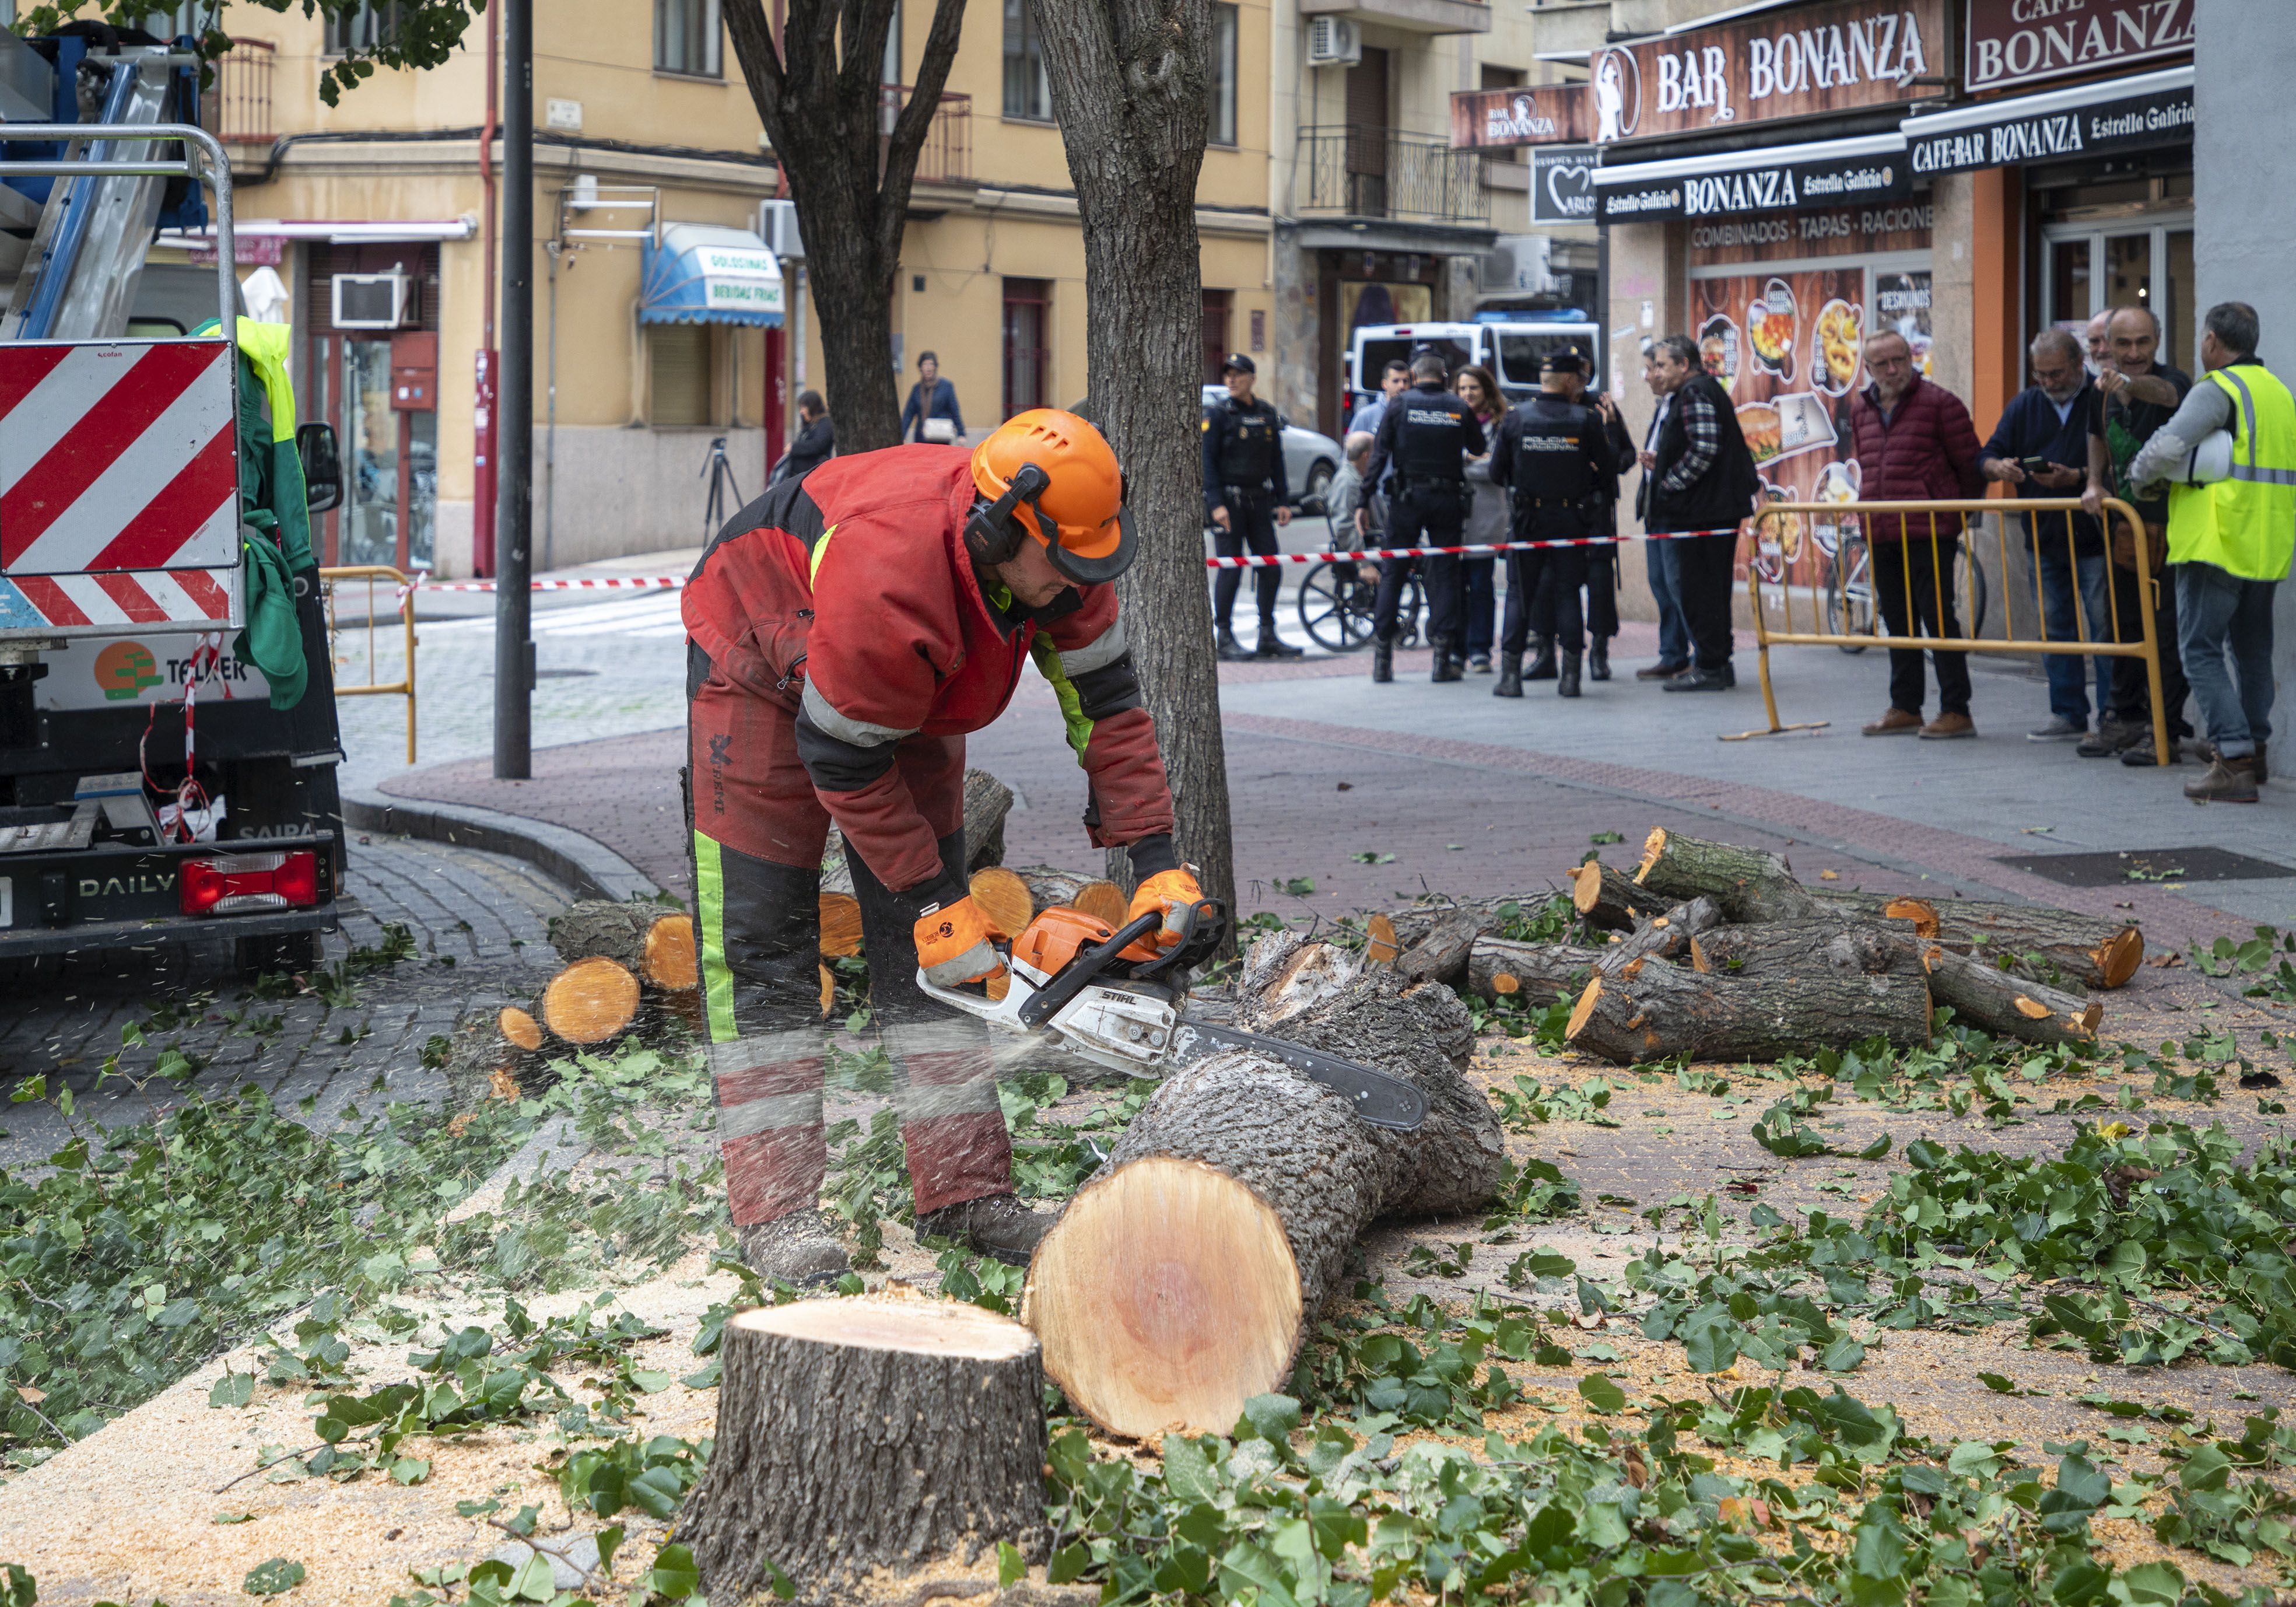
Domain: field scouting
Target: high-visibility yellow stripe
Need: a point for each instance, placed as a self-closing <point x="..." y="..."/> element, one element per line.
<point x="717" y="976"/>
<point x="1072" y="714"/>
<point x="820" y="552"/>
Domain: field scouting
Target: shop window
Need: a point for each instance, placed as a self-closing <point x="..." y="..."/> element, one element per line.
<point x="679" y="375"/>
<point x="1223" y="95"/>
<point x="686" y="38"/>
<point x="1220" y="312"/>
<point x="1027" y="344"/>
<point x="1028" y="92"/>
<point x="366" y="28"/>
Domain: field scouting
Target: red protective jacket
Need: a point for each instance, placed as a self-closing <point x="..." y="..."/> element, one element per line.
<point x="1926" y="452"/>
<point x="851" y="602"/>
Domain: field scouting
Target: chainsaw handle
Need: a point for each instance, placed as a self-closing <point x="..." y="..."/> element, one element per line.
<point x="1206" y="916"/>
<point x="1085" y="969"/>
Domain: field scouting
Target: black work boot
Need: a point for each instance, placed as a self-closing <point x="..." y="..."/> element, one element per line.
<point x="1566" y="684"/>
<point x="1382" y="661"/>
<point x="1447" y="664"/>
<point x="1509" y="681"/>
<point x="1273" y="646"/>
<point x="995" y="1225"/>
<point x="796" y="1248"/>
<point x="1598" y="659"/>
<point x="1542" y="663"/>
<point x="1231" y="651"/>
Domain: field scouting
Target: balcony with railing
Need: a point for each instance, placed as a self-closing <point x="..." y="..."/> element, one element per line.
<point x="1408" y="16"/>
<point x="946" y="158"/>
<point x="236" y="106"/>
<point x="1360" y="170"/>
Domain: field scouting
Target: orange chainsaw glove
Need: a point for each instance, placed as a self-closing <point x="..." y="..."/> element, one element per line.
<point x="1166" y="893"/>
<point x="955" y="943"/>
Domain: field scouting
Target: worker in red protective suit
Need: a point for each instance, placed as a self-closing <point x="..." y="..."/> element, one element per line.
<point x="844" y="634"/>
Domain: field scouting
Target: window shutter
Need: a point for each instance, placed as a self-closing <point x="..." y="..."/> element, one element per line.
<point x="678" y="358"/>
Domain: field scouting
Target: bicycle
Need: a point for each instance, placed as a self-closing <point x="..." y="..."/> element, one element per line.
<point x="1852" y="608"/>
<point x="1336" y="599"/>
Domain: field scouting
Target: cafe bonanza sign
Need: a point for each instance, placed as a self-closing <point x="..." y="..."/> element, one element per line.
<point x="2025" y="41"/>
<point x="1791" y="63"/>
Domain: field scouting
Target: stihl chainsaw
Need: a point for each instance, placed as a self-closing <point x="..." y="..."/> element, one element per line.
<point x="1110" y="996"/>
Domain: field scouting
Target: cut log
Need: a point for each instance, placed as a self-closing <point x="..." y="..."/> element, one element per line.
<point x="1440" y="954"/>
<point x="519" y="1029"/>
<point x="495" y="1057"/>
<point x="2093" y="952"/>
<point x="1414" y="923"/>
<point x="864" y="1434"/>
<point x="1004" y="897"/>
<point x="841" y="924"/>
<point x="1750" y="884"/>
<point x="590" y="1001"/>
<point x="1184" y="1277"/>
<point x="1536" y="973"/>
<point x="987" y="802"/>
<point x="1993" y="1001"/>
<point x="1610" y="900"/>
<point x="1379" y="946"/>
<point x="1097" y="896"/>
<point x="1662" y="937"/>
<point x="1669" y="1010"/>
<point x="668" y="960"/>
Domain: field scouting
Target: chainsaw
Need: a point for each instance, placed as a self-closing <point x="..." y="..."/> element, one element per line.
<point x="1110" y="996"/>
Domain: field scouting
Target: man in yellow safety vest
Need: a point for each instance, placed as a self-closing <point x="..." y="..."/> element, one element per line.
<point x="2232" y="531"/>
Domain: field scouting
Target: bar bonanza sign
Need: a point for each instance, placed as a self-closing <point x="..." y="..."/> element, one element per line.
<point x="1796" y="62"/>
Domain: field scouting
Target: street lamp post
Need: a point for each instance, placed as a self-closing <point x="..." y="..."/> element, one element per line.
<point x="514" y="412"/>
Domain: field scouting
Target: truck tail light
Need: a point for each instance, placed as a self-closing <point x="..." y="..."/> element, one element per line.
<point x="231" y="883"/>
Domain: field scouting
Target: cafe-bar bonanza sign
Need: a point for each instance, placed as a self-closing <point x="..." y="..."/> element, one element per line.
<point x="1798" y="62"/>
<point x="2025" y="41"/>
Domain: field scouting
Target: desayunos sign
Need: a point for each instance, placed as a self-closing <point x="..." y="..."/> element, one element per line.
<point x="1814" y="59"/>
<point x="735" y="280"/>
<point x="2025" y="41"/>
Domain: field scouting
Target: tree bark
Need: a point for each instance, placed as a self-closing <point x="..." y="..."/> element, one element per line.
<point x="1184" y="1277"/>
<point x="855" y="1435"/>
<point x="1537" y="973"/>
<point x="650" y="941"/>
<point x="1667" y="1010"/>
<point x="818" y="88"/>
<point x="1611" y="899"/>
<point x="2093" y="952"/>
<point x="1750" y="884"/>
<point x="1662" y="937"/>
<point x="1441" y="955"/>
<point x="1131" y="86"/>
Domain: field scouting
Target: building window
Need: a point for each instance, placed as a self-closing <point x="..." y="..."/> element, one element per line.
<point x="193" y="17"/>
<point x="1219" y="310"/>
<point x="679" y="374"/>
<point x="1223" y="95"/>
<point x="686" y="37"/>
<point x="1027" y="344"/>
<point x="368" y="27"/>
<point x="1028" y="92"/>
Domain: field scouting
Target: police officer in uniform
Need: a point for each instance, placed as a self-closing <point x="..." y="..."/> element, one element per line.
<point x="1245" y="499"/>
<point x="1602" y="561"/>
<point x="1427" y="434"/>
<point x="1554" y="453"/>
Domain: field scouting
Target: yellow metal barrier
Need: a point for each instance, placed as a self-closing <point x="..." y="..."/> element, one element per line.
<point x="403" y="603"/>
<point x="1858" y="559"/>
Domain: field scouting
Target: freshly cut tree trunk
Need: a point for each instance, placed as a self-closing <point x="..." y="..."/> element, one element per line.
<point x="864" y="1434"/>
<point x="2008" y="1006"/>
<point x="2093" y="952"/>
<point x="590" y="1001"/>
<point x="1667" y="1010"/>
<point x="1611" y="899"/>
<point x="519" y="1029"/>
<point x="1184" y="1277"/>
<point x="1004" y="897"/>
<point x="987" y="802"/>
<point x="1441" y="955"/>
<point x="1662" y="937"/>
<point x="1750" y="884"/>
<point x="1537" y="973"/>
<point x="650" y="941"/>
<point x="1381" y="944"/>
<point x="495" y="1058"/>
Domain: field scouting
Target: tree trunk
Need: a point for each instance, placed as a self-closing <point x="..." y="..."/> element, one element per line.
<point x="1013" y="897"/>
<point x="818" y="90"/>
<point x="1184" y="1277"/>
<point x="1440" y="956"/>
<point x="1131" y="85"/>
<point x="1750" y="884"/>
<point x="1667" y="1010"/>
<point x="1611" y="899"/>
<point x="1537" y="973"/>
<point x="1662" y="937"/>
<point x="654" y="942"/>
<point x="855" y="1435"/>
<point x="2093" y="952"/>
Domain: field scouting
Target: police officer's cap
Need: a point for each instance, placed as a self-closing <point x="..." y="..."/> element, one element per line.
<point x="1564" y="359"/>
<point x="1237" y="362"/>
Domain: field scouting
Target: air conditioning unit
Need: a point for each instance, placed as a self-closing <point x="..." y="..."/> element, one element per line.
<point x="373" y="300"/>
<point x="1333" y="42"/>
<point x="777" y="227"/>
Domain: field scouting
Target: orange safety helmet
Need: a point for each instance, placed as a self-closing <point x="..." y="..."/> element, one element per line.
<point x="1068" y="474"/>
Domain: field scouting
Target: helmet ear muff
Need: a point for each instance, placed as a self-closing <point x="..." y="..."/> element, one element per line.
<point x="995" y="533"/>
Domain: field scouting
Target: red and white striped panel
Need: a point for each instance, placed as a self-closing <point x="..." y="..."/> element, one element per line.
<point x="117" y="456"/>
<point x="204" y="598"/>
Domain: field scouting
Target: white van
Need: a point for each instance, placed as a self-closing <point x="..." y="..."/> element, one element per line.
<point x="1511" y="350"/>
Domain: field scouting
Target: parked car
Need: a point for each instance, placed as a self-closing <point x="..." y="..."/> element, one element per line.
<point x="1309" y="459"/>
<point x="1511" y="349"/>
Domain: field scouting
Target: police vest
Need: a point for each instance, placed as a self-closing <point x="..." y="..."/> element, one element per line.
<point x="2245" y="525"/>
<point x="1550" y="455"/>
<point x="1432" y="438"/>
<point x="1248" y="445"/>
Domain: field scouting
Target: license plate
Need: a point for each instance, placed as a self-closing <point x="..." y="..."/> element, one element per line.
<point x="7" y="901"/>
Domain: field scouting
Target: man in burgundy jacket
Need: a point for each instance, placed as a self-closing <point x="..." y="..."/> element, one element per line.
<point x="845" y="633"/>
<point x="1914" y="443"/>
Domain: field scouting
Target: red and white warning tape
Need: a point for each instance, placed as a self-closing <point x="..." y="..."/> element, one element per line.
<point x="1477" y="550"/>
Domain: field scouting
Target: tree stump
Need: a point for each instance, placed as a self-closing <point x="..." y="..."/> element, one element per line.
<point x="860" y="1434"/>
<point x="1182" y="1279"/>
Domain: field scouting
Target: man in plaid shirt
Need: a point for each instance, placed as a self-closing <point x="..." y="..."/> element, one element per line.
<point x="1697" y="475"/>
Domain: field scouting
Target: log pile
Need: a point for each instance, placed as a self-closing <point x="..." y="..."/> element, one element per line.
<point x="987" y="802"/>
<point x="1185" y="1276"/>
<point x="1715" y="951"/>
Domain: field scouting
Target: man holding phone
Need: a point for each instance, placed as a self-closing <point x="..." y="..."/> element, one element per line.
<point x="2041" y="447"/>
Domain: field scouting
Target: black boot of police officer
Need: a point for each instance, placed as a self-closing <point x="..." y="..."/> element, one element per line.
<point x="1245" y="499"/>
<point x="1427" y="434"/>
<point x="1552" y="455"/>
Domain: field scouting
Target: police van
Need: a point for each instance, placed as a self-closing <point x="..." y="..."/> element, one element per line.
<point x="1511" y="349"/>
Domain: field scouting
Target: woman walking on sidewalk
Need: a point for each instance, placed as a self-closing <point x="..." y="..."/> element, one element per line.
<point x="1487" y="520"/>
